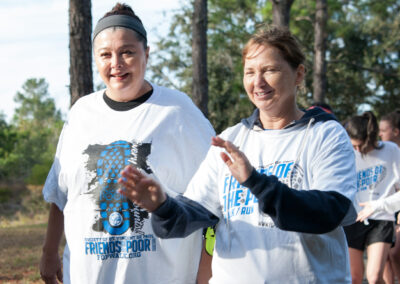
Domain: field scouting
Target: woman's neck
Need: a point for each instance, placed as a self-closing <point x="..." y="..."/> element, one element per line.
<point x="281" y="120"/>
<point x="129" y="94"/>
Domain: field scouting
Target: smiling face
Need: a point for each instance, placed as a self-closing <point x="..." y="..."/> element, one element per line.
<point x="121" y="60"/>
<point x="271" y="83"/>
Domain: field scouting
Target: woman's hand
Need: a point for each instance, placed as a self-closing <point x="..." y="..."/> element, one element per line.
<point x="50" y="268"/>
<point x="141" y="190"/>
<point x="236" y="161"/>
<point x="367" y="211"/>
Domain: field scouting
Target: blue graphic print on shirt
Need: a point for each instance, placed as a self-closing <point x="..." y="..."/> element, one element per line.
<point x="116" y="213"/>
<point x="368" y="178"/>
<point x="238" y="200"/>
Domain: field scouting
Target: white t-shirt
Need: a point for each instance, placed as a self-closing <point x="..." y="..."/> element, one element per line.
<point x="378" y="174"/>
<point x="111" y="240"/>
<point x="249" y="248"/>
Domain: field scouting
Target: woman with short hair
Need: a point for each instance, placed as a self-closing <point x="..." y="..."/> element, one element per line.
<point x="279" y="185"/>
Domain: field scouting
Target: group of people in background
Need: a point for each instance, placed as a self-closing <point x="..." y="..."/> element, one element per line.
<point x="389" y="130"/>
<point x="139" y="173"/>
<point x="377" y="199"/>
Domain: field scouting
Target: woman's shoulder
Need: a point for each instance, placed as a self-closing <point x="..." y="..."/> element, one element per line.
<point x="389" y="147"/>
<point x="330" y="136"/>
<point x="232" y="131"/>
<point x="175" y="103"/>
<point x="179" y="105"/>
<point x="171" y="96"/>
<point x="85" y="103"/>
<point x="329" y="128"/>
<point x="389" y="144"/>
<point x="88" y="99"/>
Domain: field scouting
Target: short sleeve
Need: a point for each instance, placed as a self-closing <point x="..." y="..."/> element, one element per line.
<point x="54" y="191"/>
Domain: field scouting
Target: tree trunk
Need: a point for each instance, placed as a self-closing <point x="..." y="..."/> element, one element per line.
<point x="199" y="55"/>
<point x="281" y="12"/>
<point x="80" y="49"/>
<point x="319" y="72"/>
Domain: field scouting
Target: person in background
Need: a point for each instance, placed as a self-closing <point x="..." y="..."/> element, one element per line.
<point x="389" y="130"/>
<point x="279" y="184"/>
<point x="204" y="274"/>
<point x="390" y="204"/>
<point x="378" y="168"/>
<point x="389" y="127"/>
<point x="131" y="122"/>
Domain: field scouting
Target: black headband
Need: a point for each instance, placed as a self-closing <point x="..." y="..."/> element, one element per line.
<point x="120" y="21"/>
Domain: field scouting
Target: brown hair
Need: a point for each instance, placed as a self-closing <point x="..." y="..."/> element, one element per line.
<point x="364" y="128"/>
<point x="393" y="118"/>
<point x="280" y="38"/>
<point x="125" y="9"/>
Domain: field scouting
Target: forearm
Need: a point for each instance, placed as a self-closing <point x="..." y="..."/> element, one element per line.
<point x="204" y="273"/>
<point x="390" y="204"/>
<point x="179" y="217"/>
<point x="307" y="211"/>
<point x="55" y="230"/>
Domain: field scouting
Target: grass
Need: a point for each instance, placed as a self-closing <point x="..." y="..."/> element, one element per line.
<point x="20" y="251"/>
<point x="23" y="223"/>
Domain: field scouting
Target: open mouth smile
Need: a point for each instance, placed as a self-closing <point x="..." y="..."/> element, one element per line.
<point x="119" y="77"/>
<point x="263" y="94"/>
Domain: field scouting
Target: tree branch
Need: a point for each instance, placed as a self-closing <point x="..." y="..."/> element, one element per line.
<point x="374" y="70"/>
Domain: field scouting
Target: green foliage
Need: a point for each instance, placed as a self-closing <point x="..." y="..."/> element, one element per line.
<point x="8" y="141"/>
<point x="362" y="54"/>
<point x="30" y="141"/>
<point x="5" y="194"/>
<point x="363" y="41"/>
<point x="170" y="64"/>
<point x="230" y="22"/>
<point x="36" y="108"/>
<point x="39" y="172"/>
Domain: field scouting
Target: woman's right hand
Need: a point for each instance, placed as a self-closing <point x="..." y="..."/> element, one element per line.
<point x="367" y="211"/>
<point x="236" y="161"/>
<point x="140" y="189"/>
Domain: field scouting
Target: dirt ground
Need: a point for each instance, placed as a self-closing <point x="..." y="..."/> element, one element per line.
<point x="23" y="222"/>
<point x="20" y="250"/>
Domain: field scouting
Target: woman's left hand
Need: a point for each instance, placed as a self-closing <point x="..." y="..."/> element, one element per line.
<point x="236" y="161"/>
<point x="365" y="212"/>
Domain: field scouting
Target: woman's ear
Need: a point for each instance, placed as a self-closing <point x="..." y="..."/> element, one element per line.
<point x="396" y="132"/>
<point x="147" y="53"/>
<point x="300" y="74"/>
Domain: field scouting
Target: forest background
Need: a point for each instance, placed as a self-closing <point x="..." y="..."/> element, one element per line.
<point x="201" y="55"/>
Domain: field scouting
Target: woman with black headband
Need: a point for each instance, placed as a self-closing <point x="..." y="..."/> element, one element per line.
<point x="131" y="122"/>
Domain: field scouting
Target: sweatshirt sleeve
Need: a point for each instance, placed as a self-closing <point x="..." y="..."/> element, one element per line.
<point x="306" y="211"/>
<point x="389" y="205"/>
<point x="179" y="217"/>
